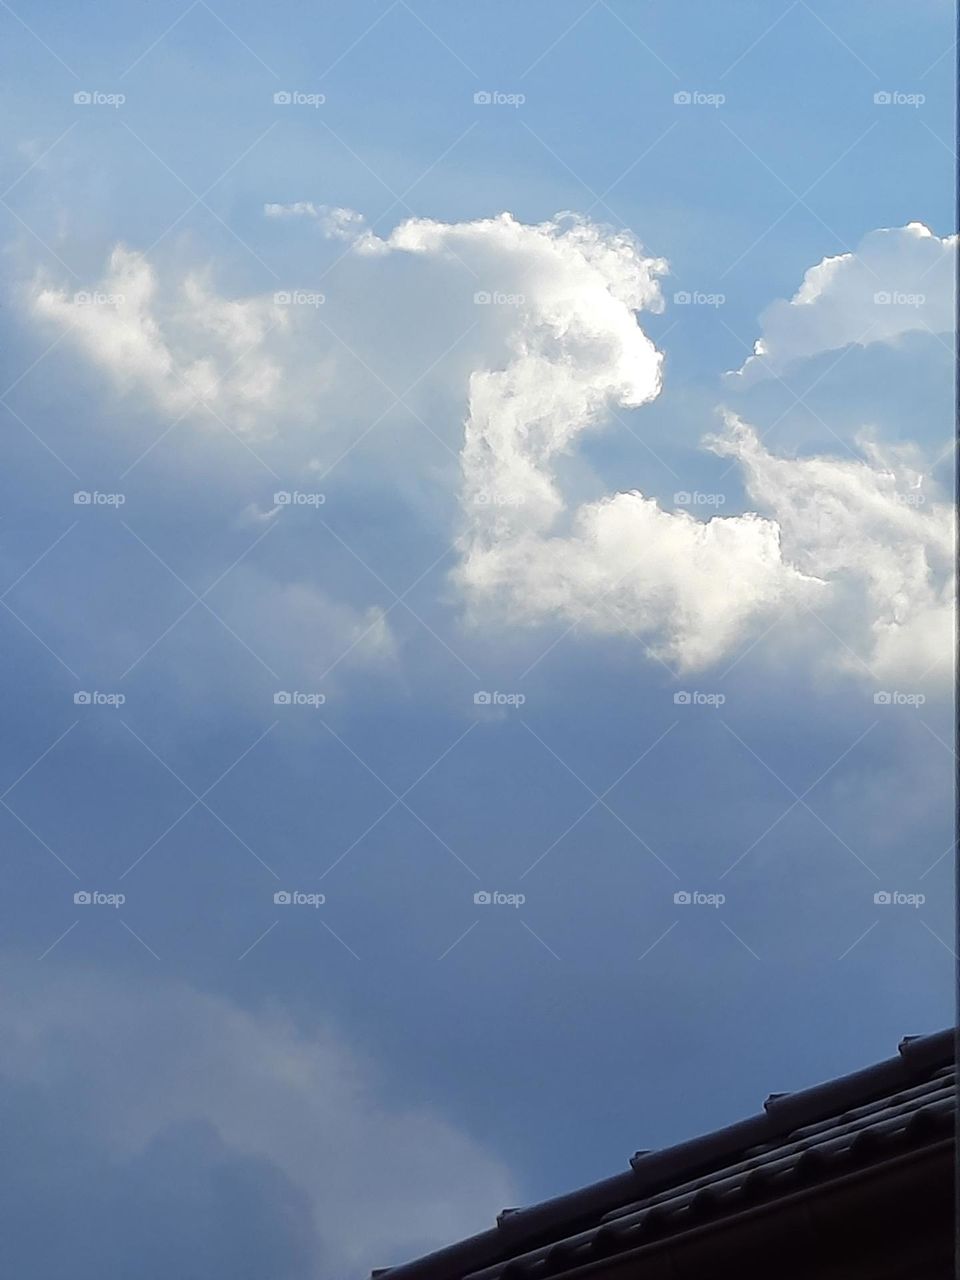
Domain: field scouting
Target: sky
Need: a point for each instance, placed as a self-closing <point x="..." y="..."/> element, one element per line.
<point x="477" y="583"/>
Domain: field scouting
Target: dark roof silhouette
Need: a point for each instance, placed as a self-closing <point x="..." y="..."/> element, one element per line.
<point x="849" y="1178"/>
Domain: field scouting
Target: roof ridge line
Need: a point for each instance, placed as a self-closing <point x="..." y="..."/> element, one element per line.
<point x="529" y="1227"/>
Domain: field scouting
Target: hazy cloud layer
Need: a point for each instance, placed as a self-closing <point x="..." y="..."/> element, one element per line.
<point x="184" y="1124"/>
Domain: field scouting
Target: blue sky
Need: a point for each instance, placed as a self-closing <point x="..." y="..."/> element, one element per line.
<point x="705" y="604"/>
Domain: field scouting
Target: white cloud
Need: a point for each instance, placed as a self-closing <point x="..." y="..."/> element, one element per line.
<point x="857" y="542"/>
<point x="882" y="542"/>
<point x="842" y="537"/>
<point x="385" y="1181"/>
<point x="554" y="346"/>
<point x="900" y="280"/>
<point x="688" y="588"/>
<point x="186" y="347"/>
<point x="335" y="223"/>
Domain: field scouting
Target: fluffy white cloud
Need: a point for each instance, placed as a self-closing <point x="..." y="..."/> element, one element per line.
<point x="900" y="280"/>
<point x="876" y="537"/>
<point x="187" y="347"/>
<point x="550" y="312"/>
<point x="687" y="587"/>
<point x="382" y="1182"/>
<point x="858" y="543"/>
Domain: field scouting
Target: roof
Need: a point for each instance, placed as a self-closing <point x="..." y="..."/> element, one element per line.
<point x="882" y="1130"/>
